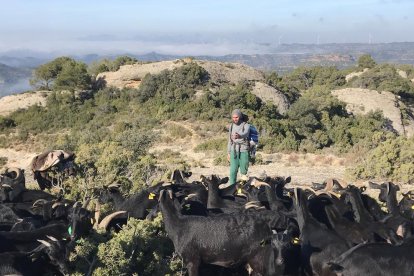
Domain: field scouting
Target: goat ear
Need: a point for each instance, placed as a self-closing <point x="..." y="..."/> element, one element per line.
<point x="288" y="179"/>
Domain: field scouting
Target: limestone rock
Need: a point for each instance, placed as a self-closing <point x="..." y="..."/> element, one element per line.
<point x="362" y="101"/>
<point x="269" y="94"/>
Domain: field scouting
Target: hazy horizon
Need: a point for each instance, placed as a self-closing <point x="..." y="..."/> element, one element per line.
<point x="184" y="27"/>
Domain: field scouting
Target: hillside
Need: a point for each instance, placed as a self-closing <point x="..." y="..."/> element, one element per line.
<point x="305" y="160"/>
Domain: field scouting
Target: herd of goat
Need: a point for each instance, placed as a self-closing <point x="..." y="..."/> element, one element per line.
<point x="256" y="227"/>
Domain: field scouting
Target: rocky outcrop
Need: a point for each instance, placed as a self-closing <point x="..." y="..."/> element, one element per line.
<point x="11" y="103"/>
<point x="230" y="72"/>
<point x="131" y="75"/>
<point x="355" y="74"/>
<point x="269" y="94"/>
<point x="362" y="101"/>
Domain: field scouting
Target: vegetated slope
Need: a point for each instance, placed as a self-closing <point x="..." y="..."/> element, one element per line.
<point x="363" y="101"/>
<point x="314" y="121"/>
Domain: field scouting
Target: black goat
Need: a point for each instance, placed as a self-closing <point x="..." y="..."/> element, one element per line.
<point x="403" y="226"/>
<point x="12" y="183"/>
<point x="318" y="243"/>
<point x="137" y="205"/>
<point x="362" y="216"/>
<point x="49" y="257"/>
<point x="27" y="240"/>
<point x="406" y="205"/>
<point x="225" y="240"/>
<point x="376" y="259"/>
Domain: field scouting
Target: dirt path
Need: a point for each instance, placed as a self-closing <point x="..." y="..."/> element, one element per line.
<point x="303" y="168"/>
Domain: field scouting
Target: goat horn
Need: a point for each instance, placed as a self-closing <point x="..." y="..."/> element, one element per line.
<point x="43" y="201"/>
<point x="310" y="189"/>
<point x="190" y="196"/>
<point x="86" y="203"/>
<point x="335" y="194"/>
<point x="328" y="193"/>
<point x="97" y="213"/>
<point x="247" y="207"/>
<point x="45" y="243"/>
<point x="52" y="238"/>
<point x="75" y="204"/>
<point x="252" y="202"/>
<point x="388" y="188"/>
<point x="7" y="185"/>
<point x="329" y="184"/>
<point x="261" y="183"/>
<point x="105" y="222"/>
<point x="56" y="204"/>
<point x="295" y="191"/>
<point x="16" y="170"/>
<point x="166" y="184"/>
<point x="114" y="185"/>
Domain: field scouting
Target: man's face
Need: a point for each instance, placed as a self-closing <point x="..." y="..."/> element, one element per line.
<point x="235" y="119"/>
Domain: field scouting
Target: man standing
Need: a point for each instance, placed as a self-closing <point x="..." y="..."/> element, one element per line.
<point x="238" y="146"/>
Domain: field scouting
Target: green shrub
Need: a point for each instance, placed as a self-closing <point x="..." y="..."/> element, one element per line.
<point x="391" y="160"/>
<point x="6" y="123"/>
<point x="141" y="247"/>
<point x="384" y="77"/>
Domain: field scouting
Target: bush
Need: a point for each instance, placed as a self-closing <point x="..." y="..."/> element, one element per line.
<point x="391" y="160"/>
<point x="366" y="61"/>
<point x="141" y="247"/>
<point x="384" y="78"/>
<point x="218" y="144"/>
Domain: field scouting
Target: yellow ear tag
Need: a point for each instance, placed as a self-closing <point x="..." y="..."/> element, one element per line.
<point x="412" y="207"/>
<point x="239" y="191"/>
<point x="295" y="240"/>
<point x="151" y="196"/>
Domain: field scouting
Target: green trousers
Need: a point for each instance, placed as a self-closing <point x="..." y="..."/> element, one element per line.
<point x="241" y="161"/>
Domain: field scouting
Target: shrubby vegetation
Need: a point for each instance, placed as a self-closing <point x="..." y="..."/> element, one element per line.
<point x="107" y="65"/>
<point x="392" y="160"/>
<point x="111" y="130"/>
<point x="366" y="61"/>
<point x="62" y="73"/>
<point x="385" y="77"/>
<point x="140" y="248"/>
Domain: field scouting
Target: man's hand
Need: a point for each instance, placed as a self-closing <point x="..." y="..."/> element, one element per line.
<point x="236" y="136"/>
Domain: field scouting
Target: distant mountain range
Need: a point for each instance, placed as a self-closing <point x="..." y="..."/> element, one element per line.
<point x="13" y="79"/>
<point x="15" y="66"/>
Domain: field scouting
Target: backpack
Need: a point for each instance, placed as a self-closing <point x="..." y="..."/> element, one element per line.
<point x="253" y="141"/>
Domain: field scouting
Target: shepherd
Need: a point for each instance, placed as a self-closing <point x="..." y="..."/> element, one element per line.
<point x="238" y="147"/>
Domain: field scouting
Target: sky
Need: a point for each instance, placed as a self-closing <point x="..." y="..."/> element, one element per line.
<point x="197" y="27"/>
